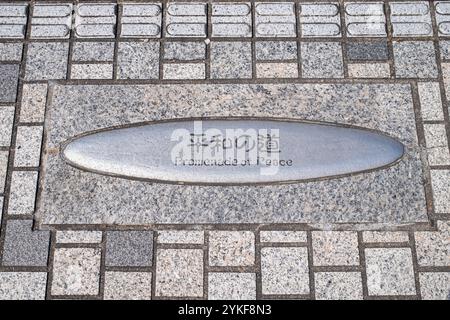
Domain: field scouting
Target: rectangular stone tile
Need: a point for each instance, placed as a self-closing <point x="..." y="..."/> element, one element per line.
<point x="46" y="61"/>
<point x="443" y="17"/>
<point x="128" y="286"/>
<point x="430" y="101"/>
<point x="444" y="46"/>
<point x="231" y="19"/>
<point x="3" y="169"/>
<point x="184" y="71"/>
<point x="6" y="124"/>
<point x="28" y="146"/>
<point x="184" y="51"/>
<point x="1" y="206"/>
<point x="179" y="273"/>
<point x="369" y="70"/>
<point x="231" y="286"/>
<point x="322" y="60"/>
<point x="95" y="20"/>
<point x="13" y="20"/>
<point x="51" y="21"/>
<point x="435" y="285"/>
<point x="129" y="248"/>
<point x="9" y="78"/>
<point x="141" y="20"/>
<point x="276" y="70"/>
<point x="11" y="51"/>
<point x="275" y="19"/>
<point x="23" y="246"/>
<point x="335" y="248"/>
<point x="390" y="271"/>
<point x="338" y="286"/>
<point x="433" y="247"/>
<point x="93" y="52"/>
<point x="138" y="60"/>
<point x="76" y="271"/>
<point x="365" y="19"/>
<point x="92" y="71"/>
<point x="184" y="19"/>
<point x="231" y="60"/>
<point x="181" y="237"/>
<point x="320" y="19"/>
<point x="23" y="192"/>
<point x="34" y="98"/>
<point x="411" y="19"/>
<point x="78" y="236"/>
<point x="446" y="75"/>
<point x="437" y="144"/>
<point x="276" y="50"/>
<point x="282" y="236"/>
<point x="231" y="248"/>
<point x="385" y="236"/>
<point x="415" y="59"/>
<point x="23" y="285"/>
<point x="367" y="50"/>
<point x="284" y="271"/>
<point x="440" y="182"/>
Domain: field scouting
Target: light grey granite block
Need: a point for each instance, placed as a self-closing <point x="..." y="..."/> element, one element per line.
<point x="181" y="237"/>
<point x="6" y="124"/>
<point x="322" y="60"/>
<point x="231" y="19"/>
<point x="129" y="248"/>
<point x="231" y="286"/>
<point x="34" y="98"/>
<point x="184" y="51"/>
<point x="141" y="20"/>
<point x="23" y="192"/>
<point x="11" y="51"/>
<point x="92" y="71"/>
<point x="231" y="60"/>
<point x="78" y="236"/>
<point x="47" y="60"/>
<point x="3" y="169"/>
<point x="28" y="146"/>
<point x="95" y="20"/>
<point x="138" y="60"/>
<point x="184" y="19"/>
<point x="128" y="286"/>
<point x="365" y="19"/>
<point x="23" y="285"/>
<point x="385" y="236"/>
<point x="435" y="285"/>
<point x="13" y="20"/>
<point x="51" y="21"/>
<point x="393" y="195"/>
<point x="93" y="51"/>
<point x="369" y="70"/>
<point x="9" y="78"/>
<point x="320" y="19"/>
<point x="179" y="71"/>
<point x="276" y="50"/>
<point x="415" y="59"/>
<point x="445" y="49"/>
<point x="231" y="248"/>
<point x="441" y="190"/>
<point x="275" y="19"/>
<point x="433" y="247"/>
<point x="276" y="70"/>
<point x="338" y="286"/>
<point x="282" y="236"/>
<point x="411" y="19"/>
<point x="331" y="248"/>
<point x="430" y="101"/>
<point x="443" y="17"/>
<point x="437" y="144"/>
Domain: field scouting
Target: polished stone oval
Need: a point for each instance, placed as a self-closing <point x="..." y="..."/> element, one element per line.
<point x="237" y="151"/>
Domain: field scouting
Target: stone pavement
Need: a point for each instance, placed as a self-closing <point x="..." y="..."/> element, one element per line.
<point x="46" y="46"/>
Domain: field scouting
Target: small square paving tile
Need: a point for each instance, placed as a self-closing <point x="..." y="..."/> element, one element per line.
<point x="367" y="50"/>
<point x="34" y="98"/>
<point x="331" y="248"/>
<point x="430" y="101"/>
<point x="231" y="60"/>
<point x="231" y="248"/>
<point x="284" y="271"/>
<point x="24" y="247"/>
<point x="338" y="286"/>
<point x="3" y="169"/>
<point x="9" y="78"/>
<point x="435" y="285"/>
<point x="433" y="247"/>
<point x="93" y="52"/>
<point x="129" y="248"/>
<point x="322" y="60"/>
<point x="231" y="286"/>
<point x="23" y="192"/>
<point x="11" y="51"/>
<point x="128" y="286"/>
<point x="179" y="273"/>
<point x="276" y="50"/>
<point x="138" y="60"/>
<point x="390" y="271"/>
<point x="445" y="49"/>
<point x="28" y="146"/>
<point x="185" y="51"/>
<point x="440" y="182"/>
<point x="415" y="59"/>
<point x="181" y="237"/>
<point x="6" y="124"/>
<point x="23" y="285"/>
<point x="437" y="144"/>
<point x="76" y="271"/>
<point x="47" y="61"/>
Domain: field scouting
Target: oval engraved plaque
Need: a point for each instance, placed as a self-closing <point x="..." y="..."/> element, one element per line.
<point x="232" y="151"/>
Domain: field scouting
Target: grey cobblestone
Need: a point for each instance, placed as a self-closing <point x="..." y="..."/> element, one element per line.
<point x="28" y="146"/>
<point x="184" y="51"/>
<point x="444" y="46"/>
<point x="9" y="77"/>
<point x="92" y="71"/>
<point x="231" y="248"/>
<point x="141" y="20"/>
<point x="6" y="124"/>
<point x="276" y="50"/>
<point x="51" y="21"/>
<point x="47" y="61"/>
<point x="13" y="19"/>
<point x="23" y="192"/>
<point x="282" y="236"/>
<point x="335" y="248"/>
<point x="367" y="50"/>
<point x="369" y="70"/>
<point x="430" y="101"/>
<point x="34" y="98"/>
<point x="181" y="237"/>
<point x="327" y="64"/>
<point x="95" y="20"/>
<point x="231" y="60"/>
<point x="184" y="71"/>
<point x="186" y="19"/>
<point x="320" y="19"/>
<point x="441" y="190"/>
<point x="385" y="236"/>
<point x="231" y="286"/>
<point x="435" y="285"/>
<point x="128" y="286"/>
<point x="23" y="285"/>
<point x="433" y="248"/>
<point x="338" y="286"/>
<point x="365" y="19"/>
<point x="414" y="59"/>
<point x="275" y="19"/>
<point x="3" y="169"/>
<point x="411" y="19"/>
<point x="78" y="236"/>
<point x="93" y="52"/>
<point x="129" y="248"/>
<point x="276" y="70"/>
<point x="11" y="51"/>
<point x="138" y="60"/>
<point x="231" y="19"/>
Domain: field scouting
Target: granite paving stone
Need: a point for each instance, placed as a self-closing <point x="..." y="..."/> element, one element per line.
<point x="338" y="286"/>
<point x="284" y="271"/>
<point x="385" y="236"/>
<point x="141" y="20"/>
<point x="369" y="70"/>
<point x="446" y="76"/>
<point x="6" y="124"/>
<point x="440" y="182"/>
<point x="129" y="248"/>
<point x="9" y="78"/>
<point x="276" y="50"/>
<point x="415" y="59"/>
<point x="282" y="236"/>
<point x="430" y="101"/>
<point x="23" y="285"/>
<point x="411" y="19"/>
<point x="23" y="246"/>
<point x="47" y="61"/>
<point x="138" y="60"/>
<point x="322" y="60"/>
<point x="375" y="50"/>
<point x="78" y="236"/>
<point x="275" y="19"/>
<point x="390" y="271"/>
<point x="185" y="19"/>
<point x="435" y="285"/>
<point x="320" y="19"/>
<point x="231" y="248"/>
<point x="51" y="21"/>
<point x="184" y="51"/>
<point x="93" y="52"/>
<point x="231" y="19"/>
<point x="444" y="45"/>
<point x="276" y="70"/>
<point x="13" y="19"/>
<point x="34" y="98"/>
<point x="128" y="286"/>
<point x="95" y="20"/>
<point x="76" y="271"/>
<point x="1" y="206"/>
<point x="331" y="248"/>
<point x="231" y="286"/>
<point x="28" y="146"/>
<point x="23" y="192"/>
<point x="437" y="144"/>
<point x="365" y="19"/>
<point x="11" y="51"/>
<point x="433" y="248"/>
<point x="181" y="237"/>
<point x="181" y="71"/>
<point x="179" y="273"/>
<point x="92" y="71"/>
<point x="3" y="169"/>
<point x="443" y="17"/>
<point x="231" y="60"/>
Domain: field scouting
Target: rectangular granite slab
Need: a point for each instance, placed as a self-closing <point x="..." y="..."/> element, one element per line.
<point x="393" y="195"/>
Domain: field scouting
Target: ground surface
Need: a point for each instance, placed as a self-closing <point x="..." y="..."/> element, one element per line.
<point x="391" y="54"/>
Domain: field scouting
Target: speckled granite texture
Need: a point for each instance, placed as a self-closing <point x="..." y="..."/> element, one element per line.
<point x="391" y="195"/>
